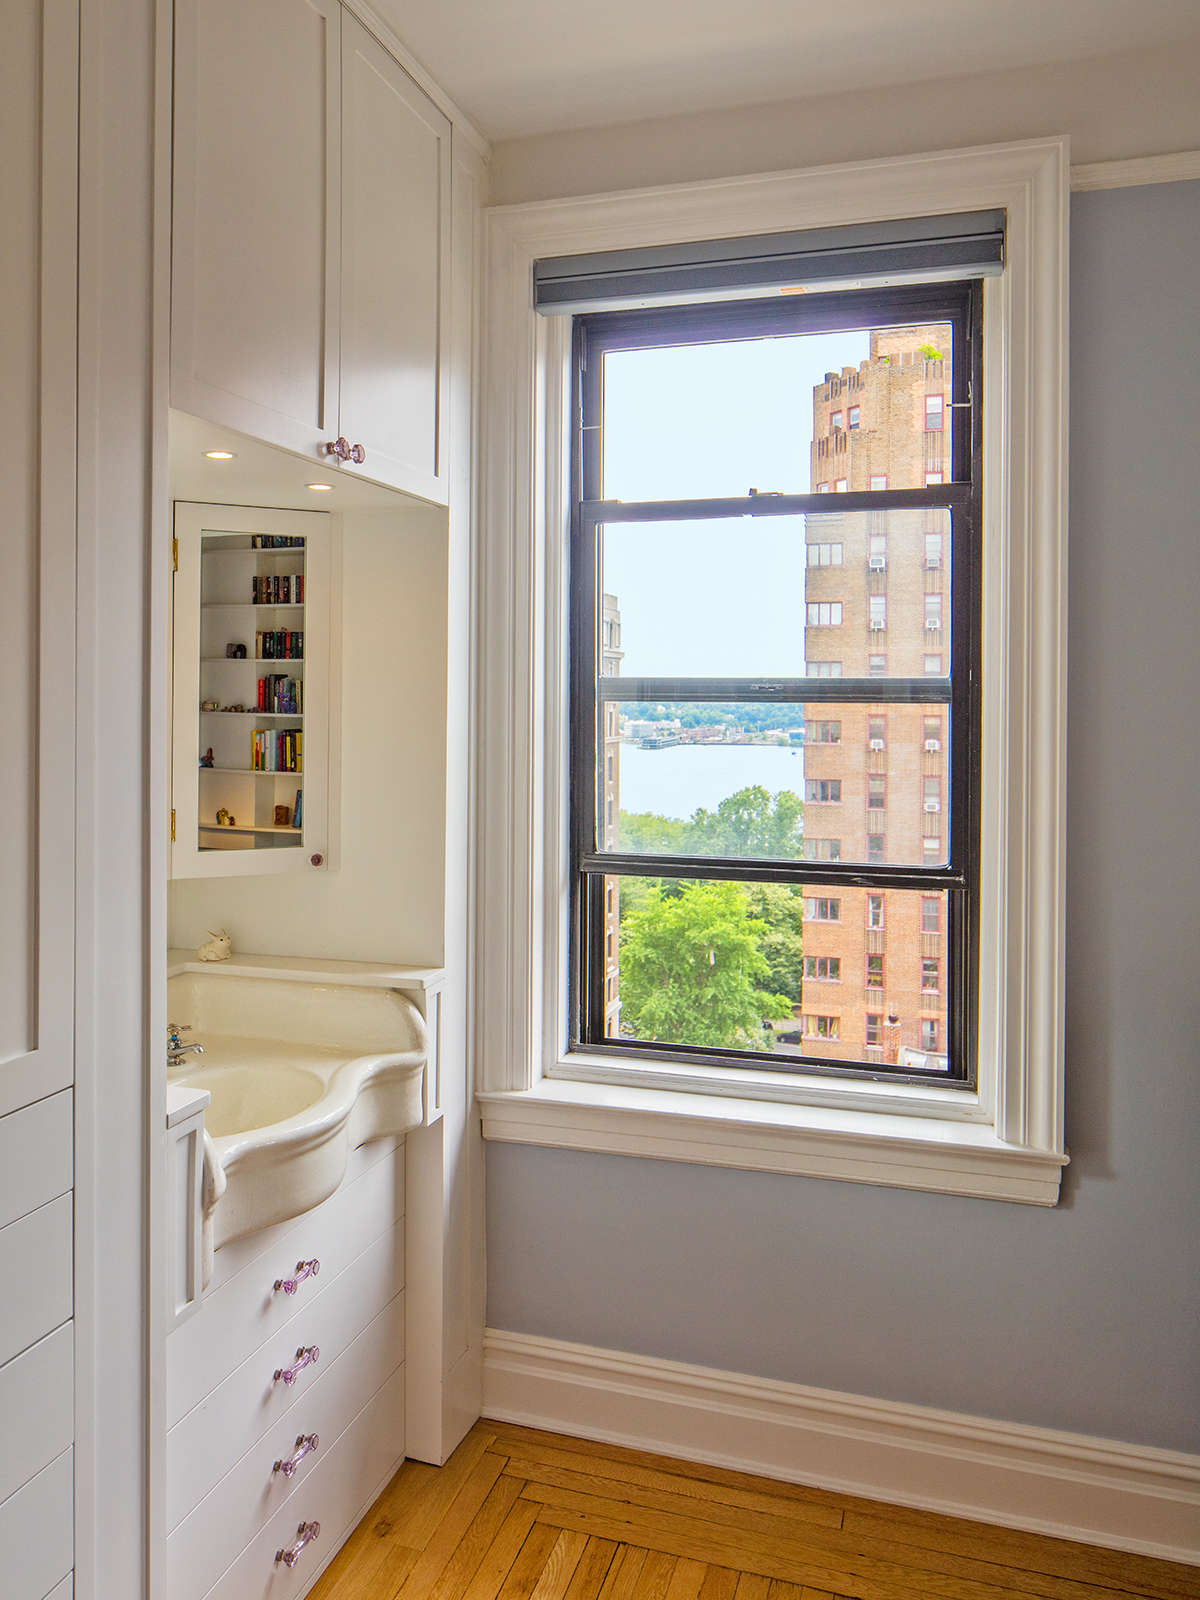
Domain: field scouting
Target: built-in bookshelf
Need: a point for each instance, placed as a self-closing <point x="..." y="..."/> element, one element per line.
<point x="251" y="690"/>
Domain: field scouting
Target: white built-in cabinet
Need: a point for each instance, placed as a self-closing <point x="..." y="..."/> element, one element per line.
<point x="251" y="719"/>
<point x="311" y="239"/>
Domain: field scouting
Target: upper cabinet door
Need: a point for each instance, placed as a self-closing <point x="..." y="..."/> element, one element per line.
<point x="395" y="270"/>
<point x="254" y="336"/>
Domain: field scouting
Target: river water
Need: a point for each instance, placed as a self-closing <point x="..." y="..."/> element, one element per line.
<point x="673" y="783"/>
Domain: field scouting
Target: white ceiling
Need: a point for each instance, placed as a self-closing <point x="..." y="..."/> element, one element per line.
<point x="533" y="66"/>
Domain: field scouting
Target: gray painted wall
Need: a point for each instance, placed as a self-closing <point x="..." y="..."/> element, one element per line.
<point x="1084" y="1317"/>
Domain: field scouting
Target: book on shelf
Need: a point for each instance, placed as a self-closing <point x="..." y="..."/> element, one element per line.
<point x="277" y="750"/>
<point x="281" y="696"/>
<point x="298" y="810"/>
<point x="279" y="589"/>
<point x="275" y="541"/>
<point x="279" y="644"/>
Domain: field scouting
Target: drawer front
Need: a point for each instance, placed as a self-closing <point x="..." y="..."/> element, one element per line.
<point x="236" y="1256"/>
<point x="35" y="1269"/>
<point x="247" y="1310"/>
<point x="223" y="1524"/>
<point x="36" y="1147"/>
<point x="216" y="1434"/>
<point x="336" y="1494"/>
<point x="37" y="1408"/>
<point x="37" y="1532"/>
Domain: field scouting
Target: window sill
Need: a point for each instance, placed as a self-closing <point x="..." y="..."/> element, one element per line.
<point x="809" y="1141"/>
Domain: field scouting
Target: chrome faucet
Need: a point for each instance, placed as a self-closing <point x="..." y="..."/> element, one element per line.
<point x="176" y="1049"/>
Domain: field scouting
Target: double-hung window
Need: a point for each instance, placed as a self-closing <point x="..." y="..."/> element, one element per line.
<point x="612" y="1015"/>
<point x="699" y="911"/>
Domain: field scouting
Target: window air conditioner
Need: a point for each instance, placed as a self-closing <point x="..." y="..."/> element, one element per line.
<point x="877" y="624"/>
<point x="933" y="625"/>
<point x="875" y="744"/>
<point x="877" y="563"/>
<point x="933" y="746"/>
<point x="932" y="561"/>
<point x="933" y="805"/>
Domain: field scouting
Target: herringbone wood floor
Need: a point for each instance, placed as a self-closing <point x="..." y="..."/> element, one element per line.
<point x="520" y="1515"/>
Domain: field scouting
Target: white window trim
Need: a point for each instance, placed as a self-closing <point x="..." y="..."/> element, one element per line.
<point x="1005" y="1141"/>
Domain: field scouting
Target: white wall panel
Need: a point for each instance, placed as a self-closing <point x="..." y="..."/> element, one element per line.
<point x="36" y="1270"/>
<point x="36" y="1547"/>
<point x="35" y="1156"/>
<point x="37" y="1408"/>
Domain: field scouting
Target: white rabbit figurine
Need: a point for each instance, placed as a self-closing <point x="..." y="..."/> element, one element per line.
<point x="218" y="947"/>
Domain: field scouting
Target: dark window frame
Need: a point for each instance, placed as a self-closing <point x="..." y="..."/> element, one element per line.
<point x="593" y="334"/>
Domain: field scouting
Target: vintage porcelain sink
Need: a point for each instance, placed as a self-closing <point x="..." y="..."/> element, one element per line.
<point x="300" y="1074"/>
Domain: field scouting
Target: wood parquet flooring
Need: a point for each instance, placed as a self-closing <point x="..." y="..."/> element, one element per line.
<point x="520" y="1515"/>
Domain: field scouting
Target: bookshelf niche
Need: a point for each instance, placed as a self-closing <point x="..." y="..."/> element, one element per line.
<point x="251" y="694"/>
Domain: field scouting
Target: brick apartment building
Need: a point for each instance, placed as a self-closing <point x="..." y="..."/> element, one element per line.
<point x="876" y="776"/>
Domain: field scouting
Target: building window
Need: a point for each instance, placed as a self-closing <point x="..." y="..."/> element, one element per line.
<point x="877" y="545"/>
<point x="826" y="613"/>
<point x="823" y="488"/>
<point x="875" y="910"/>
<point x="876" y="733"/>
<point x="932" y="478"/>
<point x="842" y="485"/>
<point x="824" y="669"/>
<point x="876" y="793"/>
<point x="876" y="847"/>
<point x="933" y="550"/>
<point x="934" y="413"/>
<point x="933" y="613"/>
<point x="822" y="1027"/>
<point x="824" y="733"/>
<point x="874" y="1028"/>
<point x="823" y="967"/>
<point x="835" y="422"/>
<point x="854" y="417"/>
<point x="822" y="849"/>
<point x="931" y="915"/>
<point x="930" y="975"/>
<point x="933" y="666"/>
<point x="877" y="611"/>
<point x="931" y="847"/>
<point x="933" y="734"/>
<point x="818" y="909"/>
<point x="931" y="797"/>
<point x="824" y="555"/>
<point x="879" y="480"/>
<point x="875" y="972"/>
<point x="823" y="791"/>
<point x="929" y="1033"/>
<point x="876" y="666"/>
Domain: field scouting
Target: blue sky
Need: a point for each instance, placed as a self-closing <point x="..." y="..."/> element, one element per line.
<point x="713" y="420"/>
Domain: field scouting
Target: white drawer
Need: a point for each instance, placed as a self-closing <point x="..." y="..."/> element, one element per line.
<point x="223" y="1524"/>
<point x="336" y="1493"/>
<point x="37" y="1532"/>
<point x="204" y="1445"/>
<point x="35" y="1269"/>
<point x="37" y="1408"/>
<point x="247" y="1310"/>
<point x="36" y="1145"/>
<point x="236" y="1256"/>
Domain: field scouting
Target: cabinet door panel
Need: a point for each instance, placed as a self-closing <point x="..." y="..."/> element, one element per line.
<point x="254" y="291"/>
<point x="395" y="257"/>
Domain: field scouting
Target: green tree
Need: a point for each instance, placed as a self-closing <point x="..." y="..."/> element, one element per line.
<point x="691" y="966"/>
<point x="748" y="823"/>
<point x="781" y="907"/>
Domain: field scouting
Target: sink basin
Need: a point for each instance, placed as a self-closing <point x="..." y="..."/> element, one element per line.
<point x="249" y="1097"/>
<point x="300" y="1074"/>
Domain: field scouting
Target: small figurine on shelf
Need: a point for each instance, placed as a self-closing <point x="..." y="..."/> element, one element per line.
<point x="206" y="760"/>
<point x="210" y="705"/>
<point x="216" y="948"/>
<point x="224" y="820"/>
<point x="283" y="816"/>
<point x="236" y="652"/>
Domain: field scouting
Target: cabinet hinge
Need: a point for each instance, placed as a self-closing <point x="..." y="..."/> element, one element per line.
<point x="175" y="553"/>
<point x="172" y="827"/>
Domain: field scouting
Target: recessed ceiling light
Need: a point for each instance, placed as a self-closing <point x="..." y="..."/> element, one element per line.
<point x="318" y="486"/>
<point x="220" y="455"/>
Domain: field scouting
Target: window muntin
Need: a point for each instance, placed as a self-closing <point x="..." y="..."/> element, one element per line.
<point x="905" y="546"/>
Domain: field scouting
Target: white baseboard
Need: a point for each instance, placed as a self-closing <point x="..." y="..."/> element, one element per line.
<point x="1125" y="1497"/>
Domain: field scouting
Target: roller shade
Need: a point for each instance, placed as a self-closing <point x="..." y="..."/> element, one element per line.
<point x="969" y="244"/>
